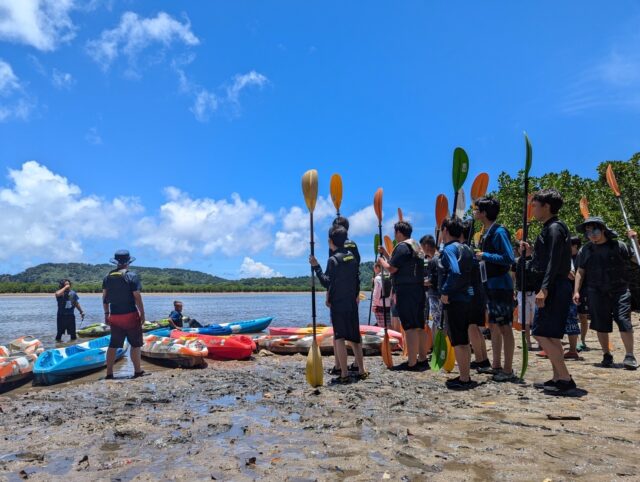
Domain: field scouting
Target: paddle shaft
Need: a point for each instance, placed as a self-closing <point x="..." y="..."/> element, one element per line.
<point x="523" y="275"/>
<point x="634" y="241"/>
<point x="373" y="283"/>
<point x="313" y="279"/>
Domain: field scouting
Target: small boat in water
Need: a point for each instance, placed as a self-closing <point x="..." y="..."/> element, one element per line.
<point x="60" y="364"/>
<point x="178" y="352"/>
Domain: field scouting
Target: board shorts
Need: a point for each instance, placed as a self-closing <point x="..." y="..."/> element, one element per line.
<point x="378" y="311"/>
<point x="410" y="301"/>
<point x="435" y="310"/>
<point x="605" y="307"/>
<point x="500" y="307"/>
<point x="572" y="327"/>
<point x="531" y="307"/>
<point x="126" y="326"/>
<point x="550" y="320"/>
<point x="346" y="324"/>
<point x="477" y="310"/>
<point x="456" y="315"/>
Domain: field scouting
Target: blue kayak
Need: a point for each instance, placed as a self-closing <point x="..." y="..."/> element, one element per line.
<point x="60" y="364"/>
<point x="223" y="329"/>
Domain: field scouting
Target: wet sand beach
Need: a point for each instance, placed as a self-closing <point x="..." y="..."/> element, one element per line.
<point x="259" y="419"/>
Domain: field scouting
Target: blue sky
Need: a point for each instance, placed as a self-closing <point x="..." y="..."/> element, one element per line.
<point x="181" y="129"/>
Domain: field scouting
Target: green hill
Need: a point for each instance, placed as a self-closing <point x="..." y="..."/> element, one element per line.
<point x="88" y="278"/>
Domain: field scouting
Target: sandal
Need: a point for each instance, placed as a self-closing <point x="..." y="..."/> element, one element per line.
<point x="362" y="376"/>
<point x="139" y="374"/>
<point x="341" y="381"/>
<point x="334" y="371"/>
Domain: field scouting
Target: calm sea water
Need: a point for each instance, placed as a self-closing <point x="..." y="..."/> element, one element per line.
<point x="36" y="315"/>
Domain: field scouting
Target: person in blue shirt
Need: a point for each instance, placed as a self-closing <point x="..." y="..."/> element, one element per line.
<point x="68" y="301"/>
<point x="496" y="258"/>
<point x="456" y="292"/>
<point x="176" y="316"/>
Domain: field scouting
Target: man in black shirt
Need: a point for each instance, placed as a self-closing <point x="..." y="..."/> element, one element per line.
<point x="602" y="267"/>
<point x="551" y="263"/>
<point x="343" y="284"/>
<point x="406" y="266"/>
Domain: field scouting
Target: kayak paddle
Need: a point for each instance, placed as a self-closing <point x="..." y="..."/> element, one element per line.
<point x="460" y="171"/>
<point x="584" y="207"/>
<point x="526" y="212"/>
<point x="314" y="359"/>
<point x="613" y="184"/>
<point x="450" y="359"/>
<point x="376" y="243"/>
<point x="478" y="190"/>
<point x="461" y="207"/>
<point x="335" y="187"/>
<point x="400" y="217"/>
<point x="439" y="352"/>
<point x="386" y="346"/>
<point x="442" y="210"/>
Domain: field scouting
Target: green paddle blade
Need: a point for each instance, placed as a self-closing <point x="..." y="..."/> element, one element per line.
<point x="525" y="356"/>
<point x="460" y="167"/>
<point x="439" y="353"/>
<point x="529" y="155"/>
<point x="376" y="245"/>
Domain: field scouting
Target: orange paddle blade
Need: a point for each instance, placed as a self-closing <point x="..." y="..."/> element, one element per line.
<point x="530" y="208"/>
<point x="385" y="350"/>
<point x="584" y="207"/>
<point x="400" y="214"/>
<point x="442" y="209"/>
<point x="388" y="244"/>
<point x="377" y="204"/>
<point x="519" y="234"/>
<point x="479" y="186"/>
<point x="335" y="188"/>
<point x="611" y="180"/>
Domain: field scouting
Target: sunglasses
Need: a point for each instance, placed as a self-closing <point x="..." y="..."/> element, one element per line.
<point x="593" y="232"/>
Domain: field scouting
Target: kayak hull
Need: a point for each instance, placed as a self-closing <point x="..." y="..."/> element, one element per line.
<point x="61" y="364"/>
<point x="224" y="329"/>
<point x="306" y="330"/>
<point x="289" y="345"/>
<point x="233" y="347"/>
<point x="183" y="353"/>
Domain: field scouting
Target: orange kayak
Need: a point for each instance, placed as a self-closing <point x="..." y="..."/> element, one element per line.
<point x="234" y="347"/>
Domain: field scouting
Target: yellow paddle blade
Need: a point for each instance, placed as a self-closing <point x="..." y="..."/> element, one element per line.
<point x="310" y="188"/>
<point x="519" y="234"/>
<point x="611" y="180"/>
<point x="385" y="350"/>
<point x="388" y="244"/>
<point x="314" y="370"/>
<point x="479" y="186"/>
<point x="476" y="238"/>
<point x="377" y="204"/>
<point x="450" y="361"/>
<point x="335" y="186"/>
<point x="362" y="296"/>
<point x="584" y="207"/>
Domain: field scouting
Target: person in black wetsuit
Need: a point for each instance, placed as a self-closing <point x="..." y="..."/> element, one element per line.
<point x="342" y="281"/>
<point x="550" y="263"/>
<point x="67" y="303"/>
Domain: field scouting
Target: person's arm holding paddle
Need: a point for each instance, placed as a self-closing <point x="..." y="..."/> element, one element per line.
<point x="386" y="265"/>
<point x="77" y="305"/>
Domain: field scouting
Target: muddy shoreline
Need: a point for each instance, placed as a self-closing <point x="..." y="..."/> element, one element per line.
<point x="260" y="420"/>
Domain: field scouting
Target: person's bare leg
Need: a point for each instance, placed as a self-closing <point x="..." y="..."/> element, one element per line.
<point x="357" y="351"/>
<point x="603" y="338"/>
<point x="573" y="343"/>
<point x="509" y="344"/>
<point x="477" y="342"/>
<point x="555" y="353"/>
<point x="527" y="335"/>
<point x="413" y="342"/>
<point x="584" y="327"/>
<point x="496" y="345"/>
<point x="627" y="340"/>
<point x="463" y="357"/>
<point x="111" y="359"/>
<point x="341" y="357"/>
<point x="423" y="349"/>
<point x="136" y="359"/>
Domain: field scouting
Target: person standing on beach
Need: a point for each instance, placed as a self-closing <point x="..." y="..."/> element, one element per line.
<point x="406" y="266"/>
<point x="342" y="281"/>
<point x="123" y="311"/>
<point x="550" y="264"/>
<point x="496" y="254"/>
<point x="456" y="266"/>
<point x="67" y="304"/>
<point x="428" y="245"/>
<point x="379" y="292"/>
<point x="603" y="267"/>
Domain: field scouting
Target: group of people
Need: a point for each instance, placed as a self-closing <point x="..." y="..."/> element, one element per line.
<point x="123" y="311"/>
<point x="460" y="287"/>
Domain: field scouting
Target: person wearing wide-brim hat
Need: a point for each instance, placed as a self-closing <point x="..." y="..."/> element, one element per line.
<point x="123" y="311"/>
<point x="603" y="266"/>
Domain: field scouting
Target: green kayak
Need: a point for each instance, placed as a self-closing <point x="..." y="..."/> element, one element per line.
<point x="102" y="329"/>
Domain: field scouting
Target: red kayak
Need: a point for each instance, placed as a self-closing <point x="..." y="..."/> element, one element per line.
<point x="234" y="347"/>
<point x="306" y="330"/>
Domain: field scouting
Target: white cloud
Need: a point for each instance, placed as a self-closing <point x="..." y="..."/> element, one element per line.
<point x="93" y="137"/>
<point x="134" y="34"/>
<point x="42" y="24"/>
<point x="50" y="219"/>
<point x="204" y="105"/>
<point x="363" y="222"/>
<point x="242" y="81"/>
<point x="293" y="240"/>
<point x="254" y="269"/>
<point x="62" y="80"/>
<point x="14" y="101"/>
<point x="186" y="228"/>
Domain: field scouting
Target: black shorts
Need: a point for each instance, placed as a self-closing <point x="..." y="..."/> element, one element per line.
<point x="500" y="307"/>
<point x="456" y="318"/>
<point x="410" y="306"/>
<point x="551" y="319"/>
<point x="606" y="307"/>
<point x="346" y="324"/>
<point x="583" y="307"/>
<point x="477" y="309"/>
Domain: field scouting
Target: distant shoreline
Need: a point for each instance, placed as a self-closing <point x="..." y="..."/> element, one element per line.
<point x="183" y="294"/>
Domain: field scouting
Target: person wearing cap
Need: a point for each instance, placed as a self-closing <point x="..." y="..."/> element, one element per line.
<point x="603" y="264"/>
<point x="123" y="311"/>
